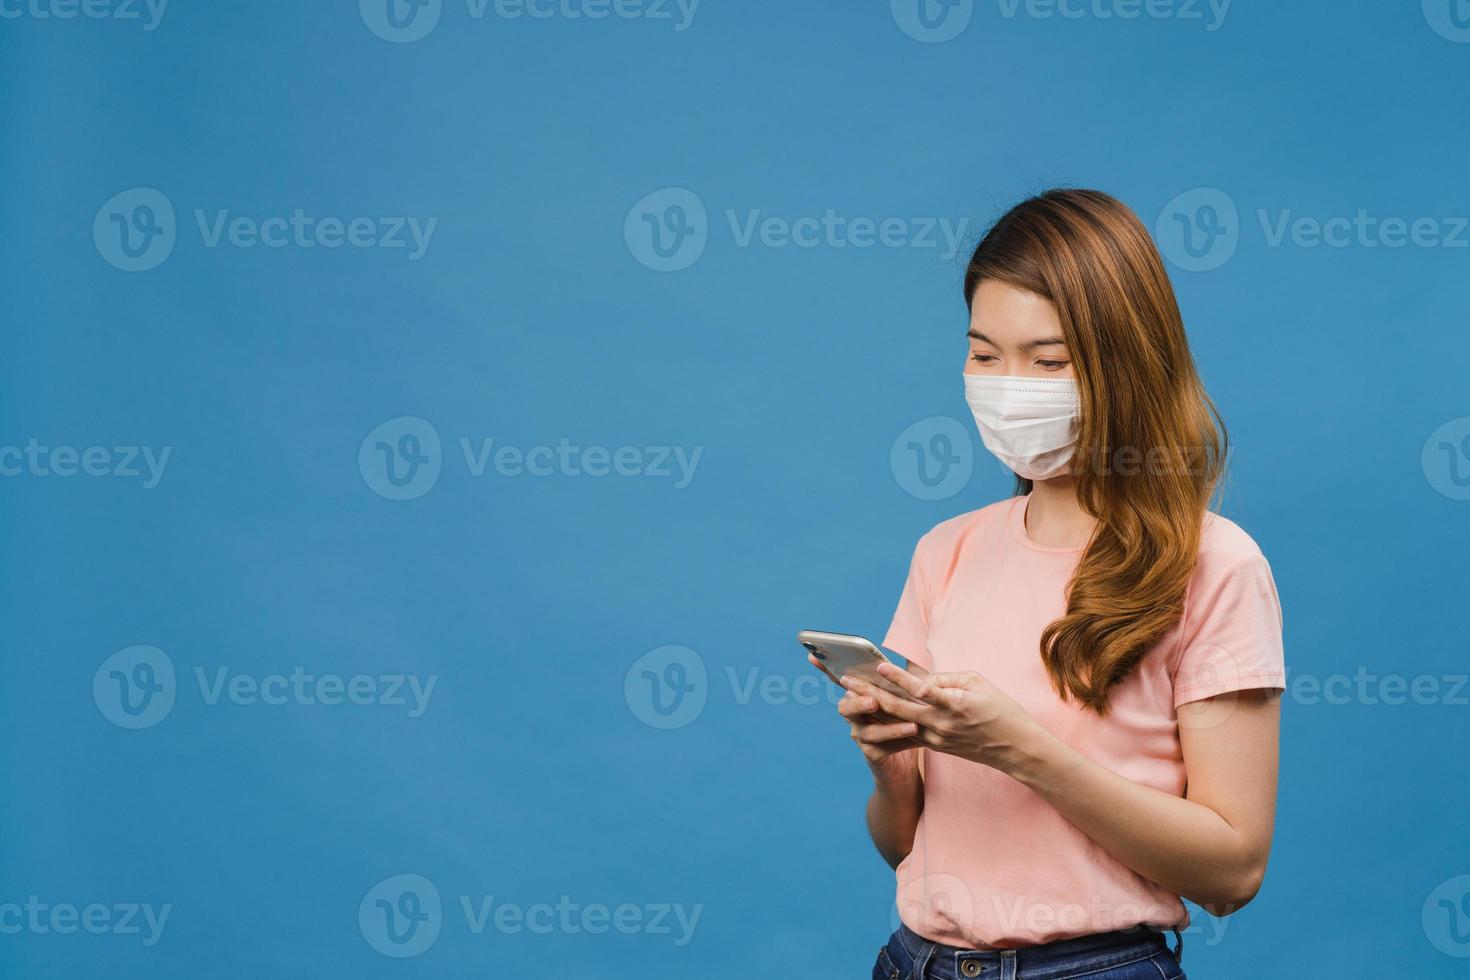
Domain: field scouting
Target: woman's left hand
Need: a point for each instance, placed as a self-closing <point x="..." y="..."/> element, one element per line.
<point x="960" y="714"/>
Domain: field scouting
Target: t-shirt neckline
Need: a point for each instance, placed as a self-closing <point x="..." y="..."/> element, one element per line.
<point x="1017" y="521"/>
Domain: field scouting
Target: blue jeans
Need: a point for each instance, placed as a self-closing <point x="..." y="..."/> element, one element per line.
<point x="1131" y="955"/>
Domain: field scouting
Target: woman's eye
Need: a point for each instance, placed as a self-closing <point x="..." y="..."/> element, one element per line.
<point x="1052" y="365"/>
<point x="982" y="358"/>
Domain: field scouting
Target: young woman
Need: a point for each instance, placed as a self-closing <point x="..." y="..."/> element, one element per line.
<point x="1097" y="734"/>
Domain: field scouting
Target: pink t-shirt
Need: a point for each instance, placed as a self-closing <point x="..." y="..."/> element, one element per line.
<point x="993" y="864"/>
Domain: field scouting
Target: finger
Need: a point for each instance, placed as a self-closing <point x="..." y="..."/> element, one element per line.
<point x="864" y="686"/>
<point x="854" y="705"/>
<point x="882" y="698"/>
<point x="903" y="679"/>
<point x="871" y="716"/>
<point x="870" y="688"/>
<point x="858" y="701"/>
<point x="962" y="680"/>
<point x="933" y="689"/>
<point x="878" y="751"/>
<point x="873" y="734"/>
<point x="900" y="707"/>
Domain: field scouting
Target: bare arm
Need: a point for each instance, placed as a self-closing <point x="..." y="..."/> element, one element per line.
<point x="1210" y="846"/>
<point x="893" y="814"/>
<point x="897" y="765"/>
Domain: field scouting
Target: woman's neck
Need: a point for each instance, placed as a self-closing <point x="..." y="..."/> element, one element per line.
<point x="1054" y="518"/>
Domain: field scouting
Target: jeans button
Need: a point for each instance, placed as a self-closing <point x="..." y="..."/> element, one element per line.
<point x="971" y="968"/>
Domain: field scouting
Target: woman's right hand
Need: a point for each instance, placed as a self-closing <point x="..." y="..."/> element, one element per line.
<point x="892" y="751"/>
<point x="888" y="744"/>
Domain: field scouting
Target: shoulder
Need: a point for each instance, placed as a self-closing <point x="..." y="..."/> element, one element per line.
<point x="940" y="545"/>
<point x="1231" y="629"/>
<point x="947" y="534"/>
<point x="1224" y="545"/>
<point x="1230" y="573"/>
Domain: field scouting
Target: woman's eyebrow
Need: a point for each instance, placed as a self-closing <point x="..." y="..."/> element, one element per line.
<point x="1027" y="346"/>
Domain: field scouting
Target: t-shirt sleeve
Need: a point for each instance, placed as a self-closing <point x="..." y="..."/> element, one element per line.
<point x="908" y="634"/>
<point x="1232" y="634"/>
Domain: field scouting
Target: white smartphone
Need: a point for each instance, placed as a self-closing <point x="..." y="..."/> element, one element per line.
<point x="840" y="654"/>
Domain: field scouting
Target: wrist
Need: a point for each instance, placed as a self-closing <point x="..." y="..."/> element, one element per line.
<point x="1029" y="757"/>
<point x="896" y="782"/>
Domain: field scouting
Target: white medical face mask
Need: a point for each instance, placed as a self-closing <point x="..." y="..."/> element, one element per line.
<point x="1030" y="423"/>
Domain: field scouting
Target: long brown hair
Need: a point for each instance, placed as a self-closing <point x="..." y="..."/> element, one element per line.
<point x="1151" y="447"/>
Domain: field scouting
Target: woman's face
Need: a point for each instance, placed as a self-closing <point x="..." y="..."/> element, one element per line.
<point x="1013" y="332"/>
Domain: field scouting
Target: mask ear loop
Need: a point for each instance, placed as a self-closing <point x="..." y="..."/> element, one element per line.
<point x="1178" y="946"/>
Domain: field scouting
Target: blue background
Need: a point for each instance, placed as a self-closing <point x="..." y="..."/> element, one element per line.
<point x="530" y="319"/>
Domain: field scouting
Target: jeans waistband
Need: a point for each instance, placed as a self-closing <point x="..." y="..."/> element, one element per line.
<point x="1050" y="961"/>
